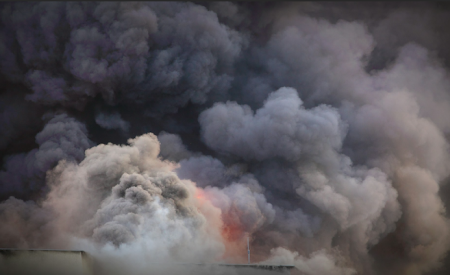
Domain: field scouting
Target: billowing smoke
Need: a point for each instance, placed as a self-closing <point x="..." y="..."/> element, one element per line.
<point x="169" y="132"/>
<point x="62" y="138"/>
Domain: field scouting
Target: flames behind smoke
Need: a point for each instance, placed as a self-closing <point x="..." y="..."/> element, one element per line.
<point x="169" y="132"/>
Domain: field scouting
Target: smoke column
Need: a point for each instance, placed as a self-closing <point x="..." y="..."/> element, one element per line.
<point x="168" y="132"/>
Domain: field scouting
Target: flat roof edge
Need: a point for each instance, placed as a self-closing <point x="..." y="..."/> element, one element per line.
<point x="36" y="249"/>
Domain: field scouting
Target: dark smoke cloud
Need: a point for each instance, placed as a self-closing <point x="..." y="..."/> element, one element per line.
<point x="172" y="147"/>
<point x="112" y="121"/>
<point x="319" y="130"/>
<point x="280" y="129"/>
<point x="16" y="118"/>
<point x="63" y="138"/>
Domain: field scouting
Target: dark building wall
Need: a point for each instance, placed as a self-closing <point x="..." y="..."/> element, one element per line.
<point x="59" y="262"/>
<point x="44" y="262"/>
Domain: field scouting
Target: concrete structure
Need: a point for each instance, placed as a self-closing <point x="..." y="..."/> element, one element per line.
<point x="254" y="269"/>
<point x="44" y="262"/>
<point x="63" y="262"/>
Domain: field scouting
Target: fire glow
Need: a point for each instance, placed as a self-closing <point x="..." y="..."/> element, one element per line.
<point x="232" y="232"/>
<point x="171" y="131"/>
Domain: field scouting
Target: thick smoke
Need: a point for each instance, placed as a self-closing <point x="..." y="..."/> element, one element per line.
<point x="63" y="138"/>
<point x="173" y="131"/>
<point x="112" y="121"/>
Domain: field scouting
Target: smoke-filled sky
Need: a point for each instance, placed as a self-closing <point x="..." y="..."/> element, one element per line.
<point x="171" y="131"/>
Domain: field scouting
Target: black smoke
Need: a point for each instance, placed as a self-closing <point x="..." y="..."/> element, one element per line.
<point x="320" y="129"/>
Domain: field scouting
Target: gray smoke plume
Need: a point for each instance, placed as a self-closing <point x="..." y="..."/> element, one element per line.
<point x="63" y="138"/>
<point x="112" y="121"/>
<point x="319" y="130"/>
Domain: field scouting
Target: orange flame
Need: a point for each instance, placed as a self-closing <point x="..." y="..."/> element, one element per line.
<point x="234" y="238"/>
<point x="233" y="235"/>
